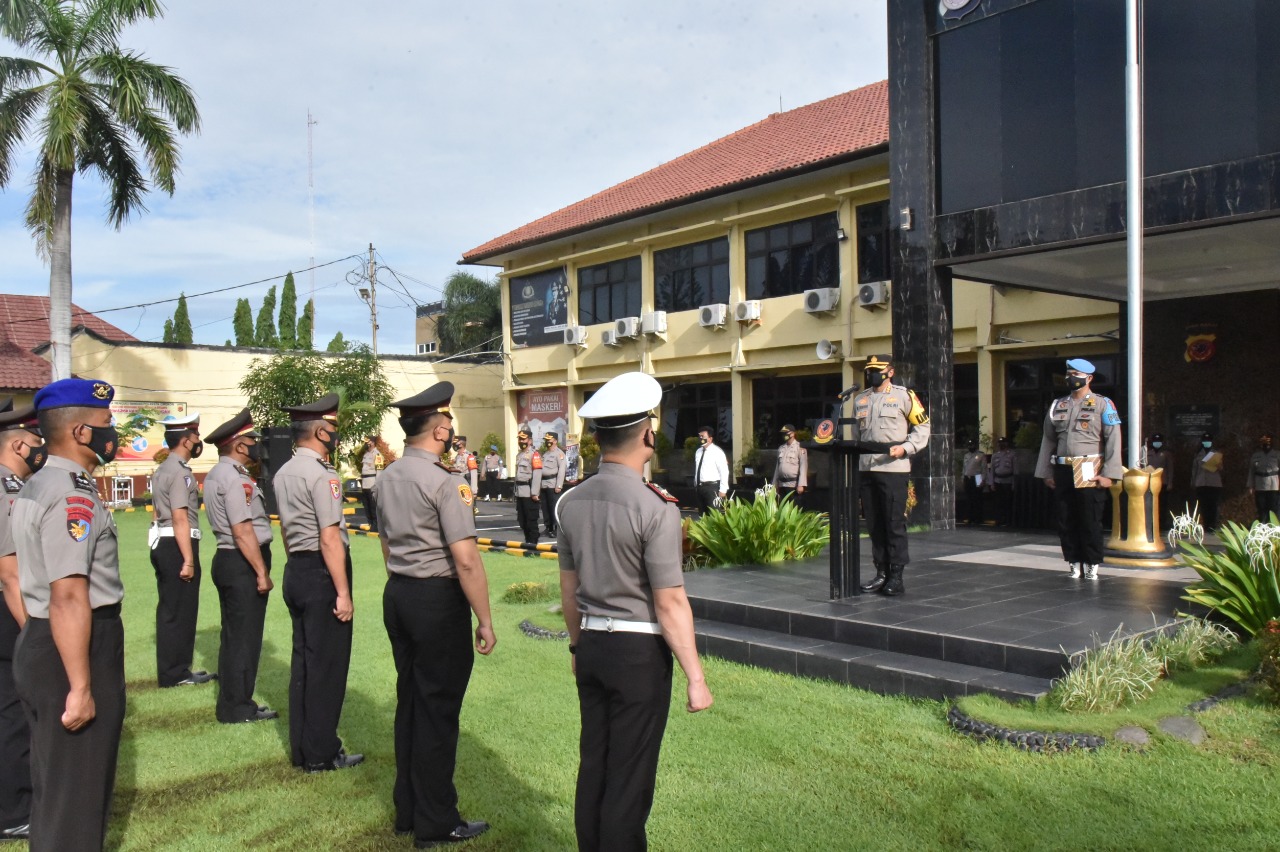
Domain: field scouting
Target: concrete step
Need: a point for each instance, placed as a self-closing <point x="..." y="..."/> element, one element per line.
<point x="878" y="670"/>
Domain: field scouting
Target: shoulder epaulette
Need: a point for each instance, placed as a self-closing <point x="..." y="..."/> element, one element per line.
<point x="83" y="483"/>
<point x="12" y="484"/>
<point x="661" y="492"/>
<point x="445" y="468"/>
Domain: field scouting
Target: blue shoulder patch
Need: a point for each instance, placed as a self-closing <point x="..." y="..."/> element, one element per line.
<point x="1110" y="417"/>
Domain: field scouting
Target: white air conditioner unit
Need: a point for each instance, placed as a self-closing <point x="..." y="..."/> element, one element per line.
<point x="874" y="294"/>
<point x="627" y="327"/>
<point x="609" y="337"/>
<point x="654" y="322"/>
<point x="821" y="300"/>
<point x="748" y="311"/>
<point x="713" y="316"/>
<point x="575" y="335"/>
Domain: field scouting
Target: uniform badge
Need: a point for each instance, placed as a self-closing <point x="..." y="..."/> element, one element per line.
<point x="536" y="460"/>
<point x="187" y="480"/>
<point x="661" y="492"/>
<point x="464" y="491"/>
<point x="248" y="492"/>
<point x="1110" y="416"/>
<point x="83" y="483"/>
<point x="12" y="484"/>
<point x="825" y="431"/>
<point x="336" y="488"/>
<point x="79" y="518"/>
<point x="917" y="416"/>
<point x="101" y="390"/>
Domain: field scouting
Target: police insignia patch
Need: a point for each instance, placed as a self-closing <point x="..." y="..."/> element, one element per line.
<point x="1110" y="416"/>
<point x="248" y="492"/>
<point x="79" y="518"/>
<point x="101" y="390"/>
<point x="661" y="492"/>
<point x="12" y="484"/>
<point x="187" y="480"/>
<point x="464" y="491"/>
<point x="336" y="488"/>
<point x="78" y="529"/>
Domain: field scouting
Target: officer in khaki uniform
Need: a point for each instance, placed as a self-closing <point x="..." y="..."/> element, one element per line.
<point x="622" y="591"/>
<point x="1078" y="426"/>
<point x="69" y="572"/>
<point x="791" y="475"/>
<point x="22" y="453"/>
<point x="886" y="413"/>
<point x="554" y="465"/>
<point x="369" y="462"/>
<point x="241" y="566"/>
<point x="1264" y="479"/>
<point x="528" y="482"/>
<point x="317" y="587"/>
<point x="435" y="580"/>
<point x="174" y="540"/>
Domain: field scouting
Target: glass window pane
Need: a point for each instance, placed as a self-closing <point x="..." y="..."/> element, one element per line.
<point x="720" y="249"/>
<point x="779" y="279"/>
<point x="700" y="253"/>
<point x="824" y="227"/>
<point x="756" y="277"/>
<point x="586" y="305"/>
<point x="802" y="231"/>
<point x="802" y="277"/>
<point x="779" y="236"/>
<point x="719" y="284"/>
<point x="757" y="241"/>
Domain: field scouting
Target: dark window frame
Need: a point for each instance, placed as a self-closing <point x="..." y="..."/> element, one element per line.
<point x="609" y="291"/>
<point x="685" y="281"/>
<point x="789" y="258"/>
<point x="875" y="241"/>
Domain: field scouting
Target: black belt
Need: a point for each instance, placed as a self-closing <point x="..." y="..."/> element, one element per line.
<point x="107" y="612"/>
<point x="710" y="482"/>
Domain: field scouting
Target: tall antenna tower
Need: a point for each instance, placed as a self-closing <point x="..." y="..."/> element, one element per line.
<point x="311" y="207"/>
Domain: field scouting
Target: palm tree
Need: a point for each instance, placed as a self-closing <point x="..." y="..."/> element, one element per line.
<point x="472" y="313"/>
<point x="93" y="107"/>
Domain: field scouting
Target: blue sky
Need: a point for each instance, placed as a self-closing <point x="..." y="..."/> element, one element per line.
<point x="440" y="126"/>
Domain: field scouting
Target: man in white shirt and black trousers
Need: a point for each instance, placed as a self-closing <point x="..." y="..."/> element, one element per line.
<point x="710" y="472"/>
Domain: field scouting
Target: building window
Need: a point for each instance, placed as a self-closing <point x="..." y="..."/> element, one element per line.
<point x="1032" y="385"/>
<point x="799" y="400"/>
<point x="427" y="348"/>
<point x="688" y="277"/>
<point x="688" y="408"/>
<point x="609" y="291"/>
<point x="793" y="257"/>
<point x="875" y="237"/>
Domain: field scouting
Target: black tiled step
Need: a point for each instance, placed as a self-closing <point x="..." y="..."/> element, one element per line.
<point x="882" y="671"/>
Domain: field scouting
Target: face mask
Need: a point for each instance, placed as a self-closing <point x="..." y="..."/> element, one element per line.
<point x="330" y="440"/>
<point x="1155" y="445"/>
<point x="254" y="452"/>
<point x="703" y="441"/>
<point x="197" y="449"/>
<point x="1076" y="382"/>
<point x="873" y="378"/>
<point x="1206" y="444"/>
<point x="103" y="440"/>
<point x="1266" y="445"/>
<point x="456" y="448"/>
<point x="36" y="457"/>
<point x="973" y="448"/>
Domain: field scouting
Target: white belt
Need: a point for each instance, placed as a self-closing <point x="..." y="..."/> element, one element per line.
<point x="617" y="625"/>
<point x="155" y="533"/>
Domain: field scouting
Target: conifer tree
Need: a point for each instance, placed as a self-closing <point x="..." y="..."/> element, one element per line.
<point x="168" y="332"/>
<point x="243" y="323"/>
<point x="306" y="327"/>
<point x="264" y="333"/>
<point x="182" y="331"/>
<point x="288" y="324"/>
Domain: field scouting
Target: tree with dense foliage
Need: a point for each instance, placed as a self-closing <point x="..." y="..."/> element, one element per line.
<point x="288" y="324"/>
<point x="243" y="323"/>
<point x="338" y="344"/>
<point x="88" y="106"/>
<point x="168" y="337"/>
<point x="264" y="333"/>
<point x="306" y="326"/>
<point x="182" y="331"/>
<point x="472" y="313"/>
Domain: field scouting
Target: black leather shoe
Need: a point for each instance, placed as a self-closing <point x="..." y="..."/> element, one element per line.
<point x="341" y="761"/>
<point x="23" y="832"/>
<point x="197" y="678"/>
<point x="893" y="586"/>
<point x="877" y="583"/>
<point x="465" y="831"/>
<point x="263" y="714"/>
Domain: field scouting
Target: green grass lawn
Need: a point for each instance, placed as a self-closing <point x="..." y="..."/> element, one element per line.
<point x="778" y="762"/>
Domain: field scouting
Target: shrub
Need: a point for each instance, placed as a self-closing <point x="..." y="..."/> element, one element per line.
<point x="1269" y="650"/>
<point x="765" y="530"/>
<point x="1196" y="641"/>
<point x="1241" y="582"/>
<point x="529" y="593"/>
<point x="1028" y="437"/>
<point x="1111" y="675"/>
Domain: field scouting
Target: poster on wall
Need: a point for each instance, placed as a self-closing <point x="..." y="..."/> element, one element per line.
<point x="539" y="308"/>
<point x="544" y="411"/>
<point x="145" y="445"/>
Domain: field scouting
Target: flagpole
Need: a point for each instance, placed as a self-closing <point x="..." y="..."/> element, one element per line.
<point x="1134" y="184"/>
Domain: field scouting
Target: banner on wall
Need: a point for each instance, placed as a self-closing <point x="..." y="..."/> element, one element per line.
<point x="544" y="411"/>
<point x="539" y="308"/>
<point x="150" y="440"/>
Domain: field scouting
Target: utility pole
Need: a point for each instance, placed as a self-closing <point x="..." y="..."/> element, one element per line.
<point x="373" y="298"/>
<point x="311" y="210"/>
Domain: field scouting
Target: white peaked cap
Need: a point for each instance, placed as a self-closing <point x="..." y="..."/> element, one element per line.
<point x="629" y="397"/>
<point x="181" y="424"/>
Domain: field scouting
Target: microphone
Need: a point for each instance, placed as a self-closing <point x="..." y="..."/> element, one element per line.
<point x="847" y="392"/>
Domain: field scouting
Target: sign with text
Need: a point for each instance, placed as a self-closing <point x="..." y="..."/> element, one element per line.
<point x="544" y="411"/>
<point x="150" y="438"/>
<point x="539" y="308"/>
<point x="1192" y="421"/>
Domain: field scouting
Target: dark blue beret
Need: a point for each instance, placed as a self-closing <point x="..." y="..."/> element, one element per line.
<point x="77" y="393"/>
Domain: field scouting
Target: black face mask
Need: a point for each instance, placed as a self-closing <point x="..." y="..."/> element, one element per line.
<point x="254" y="452"/>
<point x="973" y="448"/>
<point x="104" y="441"/>
<point x="330" y="441"/>
<point x="197" y="449"/>
<point x="1266" y="445"/>
<point x="36" y="457"/>
<point x="1076" y="382"/>
<point x="873" y="378"/>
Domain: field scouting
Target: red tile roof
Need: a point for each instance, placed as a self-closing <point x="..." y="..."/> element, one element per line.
<point x="24" y="325"/>
<point x="798" y="139"/>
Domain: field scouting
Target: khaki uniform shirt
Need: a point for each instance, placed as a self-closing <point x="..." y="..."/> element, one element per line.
<point x="528" y="473"/>
<point x="1003" y="460"/>
<point x="62" y="530"/>
<point x="553" y="467"/>
<point x="1264" y="471"/>
<point x="1089" y="426"/>
<point x="232" y="496"/>
<point x="422" y="509"/>
<point x="10" y="488"/>
<point x="895" y="416"/>
<point x="623" y="538"/>
<point x="975" y="464"/>
<point x="368" y="468"/>
<point x="465" y="465"/>
<point x="492" y="463"/>
<point x="309" y="494"/>
<point x="1162" y="459"/>
<point x="1207" y="474"/>
<point x="173" y="486"/>
<point x="793" y="466"/>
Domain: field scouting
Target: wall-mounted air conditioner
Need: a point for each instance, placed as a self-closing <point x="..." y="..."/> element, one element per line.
<point x="575" y="335"/>
<point x="654" y="322"/>
<point x="748" y="311"/>
<point x="626" y="327"/>
<point x="822" y="300"/>
<point x="713" y="316"/>
<point x="874" y="294"/>
<point x="609" y="337"/>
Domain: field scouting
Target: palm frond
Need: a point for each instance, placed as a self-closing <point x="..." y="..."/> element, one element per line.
<point x="18" y="109"/>
<point x="107" y="150"/>
<point x="40" y="207"/>
<point x="138" y="85"/>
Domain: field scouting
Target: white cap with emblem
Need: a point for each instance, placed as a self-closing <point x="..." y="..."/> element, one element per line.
<point x="623" y="401"/>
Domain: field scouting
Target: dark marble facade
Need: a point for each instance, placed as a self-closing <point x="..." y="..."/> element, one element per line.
<point x="922" y="333"/>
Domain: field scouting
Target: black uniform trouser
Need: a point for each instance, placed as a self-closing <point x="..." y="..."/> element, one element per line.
<point x="321" y="657"/>
<point x="1004" y="503"/>
<point x="707" y="494"/>
<point x="15" y="735"/>
<point x="177" y="608"/>
<point x="1266" y="503"/>
<point x="973" y="499"/>
<point x="1079" y="516"/>
<point x="370" y="507"/>
<point x="429" y="624"/>
<point x="489" y="485"/>
<point x="240" y="645"/>
<point x="796" y="497"/>
<point x="72" y="774"/>
<point x="527" y="518"/>
<point x="884" y="505"/>
<point x="549" y="500"/>
<point x="1207" y="497"/>
<point x="624" y="693"/>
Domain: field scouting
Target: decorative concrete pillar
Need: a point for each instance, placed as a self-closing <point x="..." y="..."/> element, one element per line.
<point x="1136" y="539"/>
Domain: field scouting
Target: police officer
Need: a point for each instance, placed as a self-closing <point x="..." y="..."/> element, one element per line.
<point x="625" y="607"/>
<point x="554" y="464"/>
<point x="1004" y="464"/>
<point x="974" y="471"/>
<point x="317" y="586"/>
<point x="435" y="581"/>
<point x="528" y="483"/>
<point x="791" y="475"/>
<point x="466" y="466"/>
<point x="710" y="472"/>
<point x="241" y="565"/>
<point x="73" y="688"/>
<point x="1206" y="479"/>
<point x="175" y="553"/>
<point x="1264" y="479"/>
<point x="368" y="476"/>
<point x="21" y="454"/>
<point x="887" y="413"/>
<point x="1081" y="431"/>
<point x="1159" y="456"/>
<point x="492" y="471"/>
